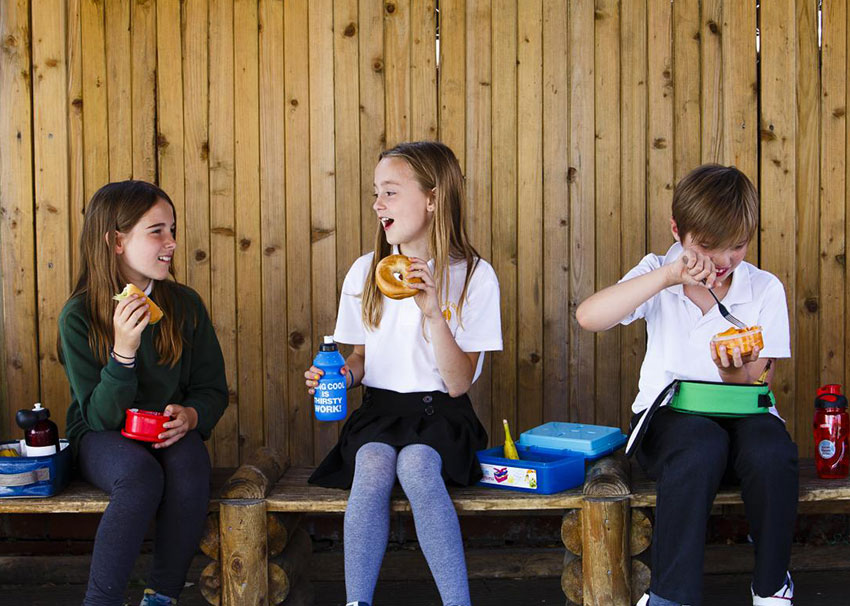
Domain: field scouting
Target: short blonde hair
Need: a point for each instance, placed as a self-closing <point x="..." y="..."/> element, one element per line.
<point x="717" y="205"/>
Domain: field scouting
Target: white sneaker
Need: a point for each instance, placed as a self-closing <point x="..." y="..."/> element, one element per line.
<point x="783" y="597"/>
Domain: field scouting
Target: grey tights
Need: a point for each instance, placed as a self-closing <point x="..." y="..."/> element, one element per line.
<point x="367" y="520"/>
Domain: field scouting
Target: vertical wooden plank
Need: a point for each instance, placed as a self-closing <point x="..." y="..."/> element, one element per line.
<point x="95" y="105"/>
<point x="273" y="212"/>
<point x="76" y="191"/>
<point x="608" y="226"/>
<point x="143" y="81"/>
<point x="478" y="162"/>
<point x="686" y="92"/>
<point x="297" y="124"/>
<point x="530" y="275"/>
<point x="352" y="190"/>
<point x="322" y="188"/>
<point x="804" y="307"/>
<point x="50" y="136"/>
<point x="372" y="120"/>
<point x="118" y="88"/>
<point x="711" y="99"/>
<point x="740" y="98"/>
<point x="582" y="205"/>
<point x="503" y="216"/>
<point x="452" y="73"/>
<point x="194" y="20"/>
<point x="740" y="94"/>
<point x="169" y="123"/>
<point x="223" y="118"/>
<point x="556" y="212"/>
<point x="777" y="174"/>
<point x="397" y="70"/>
<point x="20" y="385"/>
<point x="423" y="71"/>
<point x="633" y="162"/>
<point x="249" y="332"/>
<point x="660" y="153"/>
<point x="833" y="183"/>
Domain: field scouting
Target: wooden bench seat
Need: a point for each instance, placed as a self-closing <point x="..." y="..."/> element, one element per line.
<point x="82" y="497"/>
<point x="292" y="493"/>
<point x="812" y="489"/>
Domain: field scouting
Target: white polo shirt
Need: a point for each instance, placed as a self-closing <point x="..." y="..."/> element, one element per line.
<point x="397" y="355"/>
<point x="678" y="334"/>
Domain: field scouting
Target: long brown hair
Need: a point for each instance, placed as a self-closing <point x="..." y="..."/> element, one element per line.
<point x="436" y="168"/>
<point x="117" y="207"/>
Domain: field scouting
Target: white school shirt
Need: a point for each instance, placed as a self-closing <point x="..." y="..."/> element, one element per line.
<point x="678" y="334"/>
<point x="397" y="355"/>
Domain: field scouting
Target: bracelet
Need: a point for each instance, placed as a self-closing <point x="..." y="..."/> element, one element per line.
<point x="351" y="374"/>
<point x="129" y="364"/>
<point x="114" y="354"/>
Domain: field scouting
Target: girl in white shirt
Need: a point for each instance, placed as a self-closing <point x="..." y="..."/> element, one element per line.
<point x="417" y="358"/>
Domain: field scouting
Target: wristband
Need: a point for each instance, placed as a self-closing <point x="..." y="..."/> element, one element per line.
<point x="349" y="373"/>
<point x="129" y="364"/>
<point x="114" y="354"/>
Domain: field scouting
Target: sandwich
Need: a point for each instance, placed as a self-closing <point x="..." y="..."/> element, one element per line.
<point x="132" y="289"/>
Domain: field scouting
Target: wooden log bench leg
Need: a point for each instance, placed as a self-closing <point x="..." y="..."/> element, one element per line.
<point x="605" y="533"/>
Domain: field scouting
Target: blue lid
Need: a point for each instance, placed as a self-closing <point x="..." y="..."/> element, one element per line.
<point x="589" y="440"/>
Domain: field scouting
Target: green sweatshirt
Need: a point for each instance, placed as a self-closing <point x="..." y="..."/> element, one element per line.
<point x="100" y="395"/>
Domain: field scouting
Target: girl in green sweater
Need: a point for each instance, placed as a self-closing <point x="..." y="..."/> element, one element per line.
<point x="115" y="360"/>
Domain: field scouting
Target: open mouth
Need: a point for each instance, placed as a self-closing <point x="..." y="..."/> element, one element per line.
<point x="722" y="272"/>
<point x="164" y="259"/>
<point x="386" y="222"/>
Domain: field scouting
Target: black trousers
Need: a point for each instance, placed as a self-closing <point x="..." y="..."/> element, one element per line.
<point x="689" y="456"/>
<point x="170" y="485"/>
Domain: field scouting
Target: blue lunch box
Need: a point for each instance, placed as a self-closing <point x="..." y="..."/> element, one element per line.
<point x="34" y="476"/>
<point x="552" y="457"/>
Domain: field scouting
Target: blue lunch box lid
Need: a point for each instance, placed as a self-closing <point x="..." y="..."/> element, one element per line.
<point x="588" y="440"/>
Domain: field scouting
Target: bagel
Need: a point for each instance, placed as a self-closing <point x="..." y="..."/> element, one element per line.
<point x="388" y="283"/>
<point x="132" y="289"/>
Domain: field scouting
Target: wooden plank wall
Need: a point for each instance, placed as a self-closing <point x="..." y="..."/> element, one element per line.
<point x="573" y="120"/>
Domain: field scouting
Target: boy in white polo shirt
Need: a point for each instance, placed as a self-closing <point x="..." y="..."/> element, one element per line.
<point x="715" y="214"/>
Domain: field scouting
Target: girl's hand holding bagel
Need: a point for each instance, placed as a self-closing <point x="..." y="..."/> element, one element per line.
<point x="422" y="280"/>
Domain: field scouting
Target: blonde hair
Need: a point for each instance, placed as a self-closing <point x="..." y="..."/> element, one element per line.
<point x="436" y="168"/>
<point x="717" y="204"/>
<point x="117" y="207"/>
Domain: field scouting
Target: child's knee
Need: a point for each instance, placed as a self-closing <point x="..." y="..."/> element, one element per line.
<point x="418" y="464"/>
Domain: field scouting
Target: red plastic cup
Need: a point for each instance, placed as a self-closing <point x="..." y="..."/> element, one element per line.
<point x="144" y="425"/>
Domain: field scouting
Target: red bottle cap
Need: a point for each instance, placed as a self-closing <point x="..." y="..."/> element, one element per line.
<point x="833" y="388"/>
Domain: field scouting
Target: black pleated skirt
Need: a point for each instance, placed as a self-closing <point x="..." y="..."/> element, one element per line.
<point x="448" y="425"/>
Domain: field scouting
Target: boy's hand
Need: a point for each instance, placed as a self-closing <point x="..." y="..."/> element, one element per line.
<point x="726" y="364"/>
<point x="693" y="268"/>
<point x="184" y="419"/>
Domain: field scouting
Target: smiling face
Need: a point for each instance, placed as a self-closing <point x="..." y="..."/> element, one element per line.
<point x="145" y="252"/>
<point x="404" y="210"/>
<point x="725" y="257"/>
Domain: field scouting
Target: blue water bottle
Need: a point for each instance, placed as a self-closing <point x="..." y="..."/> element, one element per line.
<point x="329" y="399"/>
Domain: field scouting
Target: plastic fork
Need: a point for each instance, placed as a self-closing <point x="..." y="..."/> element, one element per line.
<point x="725" y="312"/>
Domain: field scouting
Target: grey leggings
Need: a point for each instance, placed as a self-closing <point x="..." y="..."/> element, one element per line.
<point x="171" y="485"/>
<point x="367" y="520"/>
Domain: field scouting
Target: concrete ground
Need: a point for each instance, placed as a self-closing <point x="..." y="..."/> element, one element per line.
<point x="812" y="589"/>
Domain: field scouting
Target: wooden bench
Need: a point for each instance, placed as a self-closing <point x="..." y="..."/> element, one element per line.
<point x="239" y="576"/>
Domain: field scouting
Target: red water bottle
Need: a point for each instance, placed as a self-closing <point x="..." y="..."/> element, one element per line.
<point x="831" y="426"/>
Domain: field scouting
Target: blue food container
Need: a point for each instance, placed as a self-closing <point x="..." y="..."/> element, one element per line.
<point x="34" y="476"/>
<point x="589" y="441"/>
<point x="552" y="457"/>
<point x="539" y="470"/>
